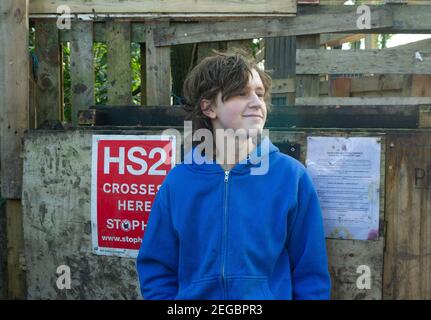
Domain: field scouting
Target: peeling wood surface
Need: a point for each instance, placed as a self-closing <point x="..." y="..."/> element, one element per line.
<point x="48" y="89"/>
<point x="57" y="227"/>
<point x="408" y="207"/>
<point x="81" y="68"/>
<point x="14" y="89"/>
<point x="119" y="67"/>
<point x="401" y="61"/>
<point x="171" y="6"/>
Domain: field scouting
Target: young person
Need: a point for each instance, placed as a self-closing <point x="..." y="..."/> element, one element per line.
<point x="222" y="229"/>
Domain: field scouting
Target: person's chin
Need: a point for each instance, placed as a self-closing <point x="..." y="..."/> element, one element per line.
<point x="253" y="130"/>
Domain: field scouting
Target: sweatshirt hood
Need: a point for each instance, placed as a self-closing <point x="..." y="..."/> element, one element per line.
<point x="255" y="160"/>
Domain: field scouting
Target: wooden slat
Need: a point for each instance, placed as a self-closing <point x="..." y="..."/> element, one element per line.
<point x="324" y="101"/>
<point x="306" y="85"/>
<point x="15" y="246"/>
<point x="280" y="61"/>
<point x="362" y="61"/>
<point x="377" y="83"/>
<point x="14" y="89"/>
<point x="48" y="91"/>
<point x="424" y="117"/>
<point x="283" y="86"/>
<point x="359" y="86"/>
<point x="305" y="24"/>
<point x="81" y="68"/>
<point x="407" y="258"/>
<point x="171" y="6"/>
<point x="158" y="68"/>
<point x="421" y="86"/>
<point x="407" y="19"/>
<point x="119" y="63"/>
<point x="100" y="32"/>
<point x="340" y="87"/>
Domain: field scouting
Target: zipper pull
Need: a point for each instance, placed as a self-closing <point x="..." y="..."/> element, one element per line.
<point x="226" y="176"/>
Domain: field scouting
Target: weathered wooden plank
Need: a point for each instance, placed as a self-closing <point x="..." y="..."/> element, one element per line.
<point x="15" y="246"/>
<point x="172" y="6"/>
<point x="81" y="68"/>
<point x="377" y="83"/>
<point x="406" y="18"/>
<point x="421" y="85"/>
<point x="340" y="87"/>
<point x="306" y="85"/>
<point x="48" y="91"/>
<point x="305" y="24"/>
<point x="158" y="68"/>
<point x="283" y="86"/>
<point x="3" y="251"/>
<point x="100" y="32"/>
<point x="359" y="86"/>
<point x="57" y="222"/>
<point x="424" y="117"/>
<point x="309" y="61"/>
<point x="14" y="88"/>
<point x="280" y="61"/>
<point x="312" y="116"/>
<point x="119" y="63"/>
<point x="408" y="204"/>
<point x="361" y="101"/>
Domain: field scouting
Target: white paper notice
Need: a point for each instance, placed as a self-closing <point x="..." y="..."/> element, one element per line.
<point x="346" y="174"/>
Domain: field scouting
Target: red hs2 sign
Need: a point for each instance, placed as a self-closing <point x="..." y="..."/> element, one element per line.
<point x="127" y="172"/>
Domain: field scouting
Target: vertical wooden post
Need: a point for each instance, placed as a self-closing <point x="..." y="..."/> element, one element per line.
<point x="280" y="57"/>
<point x="48" y="91"/>
<point x="14" y="89"/>
<point x="371" y="41"/>
<point x="119" y="63"/>
<point x="158" y="67"/>
<point x="15" y="250"/>
<point x="14" y="113"/>
<point x="81" y="68"/>
<point x="307" y="85"/>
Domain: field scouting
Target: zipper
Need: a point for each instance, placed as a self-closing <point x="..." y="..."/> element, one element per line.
<point x="224" y="239"/>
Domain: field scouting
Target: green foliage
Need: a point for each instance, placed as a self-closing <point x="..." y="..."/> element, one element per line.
<point x="100" y="52"/>
<point x="136" y="72"/>
<point x="383" y="39"/>
<point x="66" y="83"/>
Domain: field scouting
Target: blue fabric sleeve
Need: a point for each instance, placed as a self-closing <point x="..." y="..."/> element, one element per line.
<point x="157" y="262"/>
<point x="306" y="245"/>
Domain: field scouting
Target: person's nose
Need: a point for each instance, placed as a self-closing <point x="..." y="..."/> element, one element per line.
<point x="256" y="102"/>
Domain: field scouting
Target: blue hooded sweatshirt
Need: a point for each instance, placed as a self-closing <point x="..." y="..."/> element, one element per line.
<point x="217" y="235"/>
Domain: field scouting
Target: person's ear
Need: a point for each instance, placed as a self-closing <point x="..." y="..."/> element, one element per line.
<point x="208" y="108"/>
